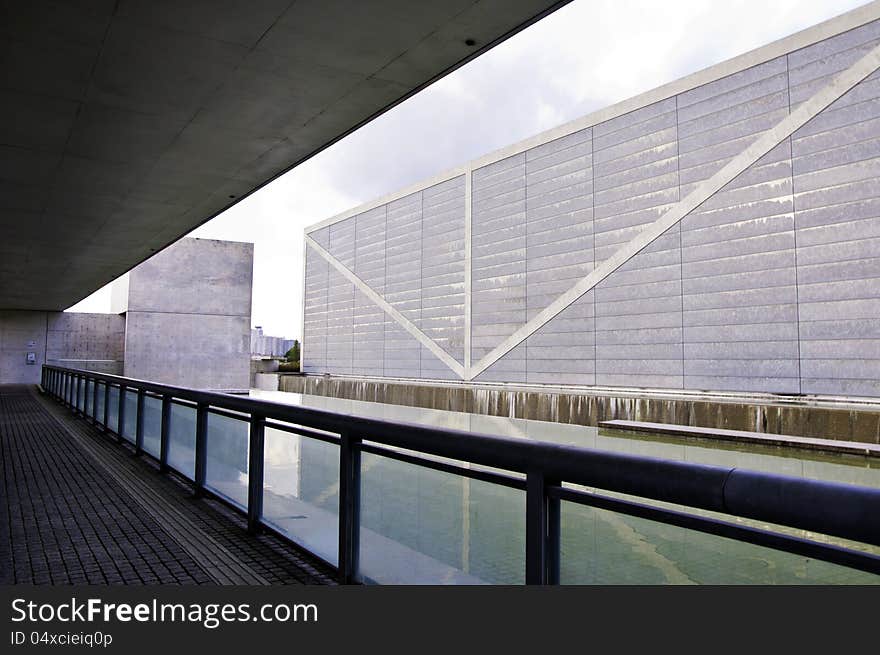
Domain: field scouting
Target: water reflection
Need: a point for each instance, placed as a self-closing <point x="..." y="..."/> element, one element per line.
<point x="424" y="526"/>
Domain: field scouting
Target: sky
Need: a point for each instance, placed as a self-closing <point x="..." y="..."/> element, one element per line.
<point x="583" y="57"/>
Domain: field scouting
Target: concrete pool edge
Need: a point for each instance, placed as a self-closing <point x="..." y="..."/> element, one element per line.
<point x="844" y="419"/>
<point x="743" y="436"/>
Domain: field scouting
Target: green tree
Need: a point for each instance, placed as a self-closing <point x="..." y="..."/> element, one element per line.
<point x="291" y="359"/>
<point x="293" y="354"/>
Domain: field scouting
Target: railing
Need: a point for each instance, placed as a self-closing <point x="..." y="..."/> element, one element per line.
<point x="547" y="474"/>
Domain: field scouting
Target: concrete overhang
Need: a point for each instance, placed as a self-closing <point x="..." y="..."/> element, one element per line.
<point x="124" y="124"/>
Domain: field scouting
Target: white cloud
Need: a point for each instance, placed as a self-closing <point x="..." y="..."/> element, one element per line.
<point x="587" y="55"/>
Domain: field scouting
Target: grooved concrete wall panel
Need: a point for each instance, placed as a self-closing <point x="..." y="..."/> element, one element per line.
<point x="836" y="160"/>
<point x="403" y="274"/>
<point x="560" y="251"/>
<point x="738" y="263"/>
<point x="635" y="161"/>
<point x="340" y="300"/>
<point x="443" y="274"/>
<point x="771" y="284"/>
<point x="368" y="333"/>
<point x="315" y="316"/>
<point x="498" y="263"/>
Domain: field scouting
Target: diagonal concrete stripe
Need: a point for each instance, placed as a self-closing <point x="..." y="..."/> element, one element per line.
<point x="383" y="304"/>
<point x="764" y="144"/>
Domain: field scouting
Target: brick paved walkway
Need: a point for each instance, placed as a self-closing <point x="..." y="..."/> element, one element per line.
<point x="78" y="508"/>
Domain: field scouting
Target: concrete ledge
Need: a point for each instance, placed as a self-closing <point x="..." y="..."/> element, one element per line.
<point x="826" y="445"/>
<point x="847" y="419"/>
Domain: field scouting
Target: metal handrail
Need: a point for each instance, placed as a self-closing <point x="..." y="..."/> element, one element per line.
<point x="841" y="510"/>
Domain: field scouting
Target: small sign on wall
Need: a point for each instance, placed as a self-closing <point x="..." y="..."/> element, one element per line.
<point x="31" y="359"/>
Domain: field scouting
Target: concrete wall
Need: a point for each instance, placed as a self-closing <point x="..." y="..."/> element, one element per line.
<point x="91" y="341"/>
<point x="189" y="313"/>
<point x="88" y="341"/>
<point x="771" y="284"/>
<point x="21" y="332"/>
<point x="411" y="252"/>
<point x="854" y="421"/>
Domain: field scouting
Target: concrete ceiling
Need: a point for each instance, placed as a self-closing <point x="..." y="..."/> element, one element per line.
<point x="125" y="124"/>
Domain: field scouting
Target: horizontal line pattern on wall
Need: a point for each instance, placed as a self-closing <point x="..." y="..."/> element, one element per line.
<point x="315" y="310"/>
<point x="409" y="252"/>
<point x="369" y="320"/>
<point x="738" y="248"/>
<point x="836" y="162"/>
<point x="442" y="281"/>
<point x="771" y="284"/>
<point x="638" y="307"/>
<point x="498" y="264"/>
<point x="340" y="301"/>
<point x="560" y="251"/>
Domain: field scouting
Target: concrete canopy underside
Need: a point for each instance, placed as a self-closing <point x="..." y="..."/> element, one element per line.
<point x="124" y="125"/>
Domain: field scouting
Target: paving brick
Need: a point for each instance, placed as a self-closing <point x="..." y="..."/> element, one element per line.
<point x="71" y="522"/>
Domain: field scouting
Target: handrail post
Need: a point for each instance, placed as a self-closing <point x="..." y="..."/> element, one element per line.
<point x="139" y="423"/>
<point x="349" y="507"/>
<point x="95" y="401"/>
<point x="542" y="531"/>
<point x="77" y="380"/>
<point x="120" y="413"/>
<point x="256" y="462"/>
<point x="201" y="463"/>
<point x="553" y="548"/>
<point x="164" y="433"/>
<point x="106" y="406"/>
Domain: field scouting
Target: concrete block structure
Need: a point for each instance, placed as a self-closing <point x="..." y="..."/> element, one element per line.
<point x="719" y="233"/>
<point x="188" y="315"/>
<point x="182" y="318"/>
